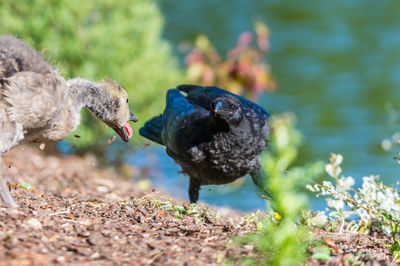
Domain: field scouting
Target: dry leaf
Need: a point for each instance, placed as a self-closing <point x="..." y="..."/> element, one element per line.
<point x="331" y="243"/>
<point x="145" y="146"/>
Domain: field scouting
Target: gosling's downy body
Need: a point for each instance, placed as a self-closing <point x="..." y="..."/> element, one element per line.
<point x="38" y="104"/>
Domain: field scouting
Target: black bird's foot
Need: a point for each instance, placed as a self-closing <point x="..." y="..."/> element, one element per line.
<point x="259" y="181"/>
<point x="194" y="189"/>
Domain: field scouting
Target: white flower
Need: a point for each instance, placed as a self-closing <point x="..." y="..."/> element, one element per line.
<point x="337" y="205"/>
<point x="320" y="219"/>
<point x="329" y="170"/>
<point x="338" y="159"/>
<point x="346" y="183"/>
<point x="309" y="187"/>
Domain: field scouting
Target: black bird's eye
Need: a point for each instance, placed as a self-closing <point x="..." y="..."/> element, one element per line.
<point x="126" y="100"/>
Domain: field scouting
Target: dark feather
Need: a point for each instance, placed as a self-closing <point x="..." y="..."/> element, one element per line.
<point x="152" y="129"/>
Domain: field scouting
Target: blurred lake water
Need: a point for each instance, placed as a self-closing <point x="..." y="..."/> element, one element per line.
<point x="337" y="65"/>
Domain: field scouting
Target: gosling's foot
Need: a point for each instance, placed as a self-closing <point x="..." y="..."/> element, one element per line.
<point x="5" y="196"/>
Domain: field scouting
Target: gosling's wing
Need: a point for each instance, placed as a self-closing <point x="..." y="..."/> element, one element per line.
<point x="34" y="99"/>
<point x="201" y="96"/>
<point x="33" y="90"/>
<point x="17" y="56"/>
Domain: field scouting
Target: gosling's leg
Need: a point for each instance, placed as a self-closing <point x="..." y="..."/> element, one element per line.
<point x="194" y="188"/>
<point x="5" y="195"/>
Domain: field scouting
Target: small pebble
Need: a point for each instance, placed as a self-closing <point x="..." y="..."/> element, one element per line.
<point x="102" y="189"/>
<point x="34" y="223"/>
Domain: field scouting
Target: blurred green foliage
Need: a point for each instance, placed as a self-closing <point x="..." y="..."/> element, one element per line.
<point x="95" y="40"/>
<point x="243" y="71"/>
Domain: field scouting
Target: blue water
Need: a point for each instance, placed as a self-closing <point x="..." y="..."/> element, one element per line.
<point x="336" y="63"/>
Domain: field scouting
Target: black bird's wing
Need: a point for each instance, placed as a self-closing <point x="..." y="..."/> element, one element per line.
<point x="152" y="129"/>
<point x="201" y="96"/>
<point x="164" y="128"/>
<point x="178" y="119"/>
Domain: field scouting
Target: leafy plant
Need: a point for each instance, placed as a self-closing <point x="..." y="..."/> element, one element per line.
<point x="372" y="206"/>
<point x="282" y="240"/>
<point x="243" y="71"/>
<point x="180" y="211"/>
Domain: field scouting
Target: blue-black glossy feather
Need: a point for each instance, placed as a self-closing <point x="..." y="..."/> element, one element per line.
<point x="201" y="96"/>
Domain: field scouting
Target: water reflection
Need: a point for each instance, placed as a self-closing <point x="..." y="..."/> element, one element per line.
<point x="337" y="63"/>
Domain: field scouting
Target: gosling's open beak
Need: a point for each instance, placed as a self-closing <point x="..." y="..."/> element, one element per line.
<point x="122" y="132"/>
<point x="125" y="132"/>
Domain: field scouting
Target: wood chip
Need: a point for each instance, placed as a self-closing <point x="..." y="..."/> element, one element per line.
<point x="53" y="237"/>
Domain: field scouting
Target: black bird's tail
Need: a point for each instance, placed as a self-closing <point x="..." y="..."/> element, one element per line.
<point x="152" y="129"/>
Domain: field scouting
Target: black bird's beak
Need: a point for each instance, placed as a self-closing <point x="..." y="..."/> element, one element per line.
<point x="218" y="107"/>
<point x="219" y="110"/>
<point x="132" y="117"/>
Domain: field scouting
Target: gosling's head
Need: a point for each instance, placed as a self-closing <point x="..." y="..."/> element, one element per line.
<point x="114" y="111"/>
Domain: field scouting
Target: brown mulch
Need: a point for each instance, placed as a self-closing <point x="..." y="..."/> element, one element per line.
<point x="73" y="213"/>
<point x="354" y="249"/>
<point x="77" y="214"/>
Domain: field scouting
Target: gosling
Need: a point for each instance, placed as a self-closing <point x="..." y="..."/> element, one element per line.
<point x="38" y="105"/>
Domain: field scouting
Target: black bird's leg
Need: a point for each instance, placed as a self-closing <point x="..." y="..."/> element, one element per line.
<point x="259" y="181"/>
<point x="194" y="188"/>
<point x="5" y="195"/>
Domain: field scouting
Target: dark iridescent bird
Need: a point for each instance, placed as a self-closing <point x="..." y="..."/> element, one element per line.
<point x="38" y="104"/>
<point x="214" y="135"/>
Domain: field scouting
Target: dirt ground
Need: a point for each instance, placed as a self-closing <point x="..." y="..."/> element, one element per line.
<point x="73" y="213"/>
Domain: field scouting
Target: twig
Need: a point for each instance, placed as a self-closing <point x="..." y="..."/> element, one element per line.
<point x="58" y="213"/>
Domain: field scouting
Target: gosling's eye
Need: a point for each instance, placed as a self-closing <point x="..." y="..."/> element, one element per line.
<point x="126" y="100"/>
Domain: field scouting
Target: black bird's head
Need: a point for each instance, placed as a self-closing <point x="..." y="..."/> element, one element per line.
<point x="228" y="109"/>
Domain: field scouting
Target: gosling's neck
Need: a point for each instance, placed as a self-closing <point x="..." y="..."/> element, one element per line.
<point x="94" y="96"/>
